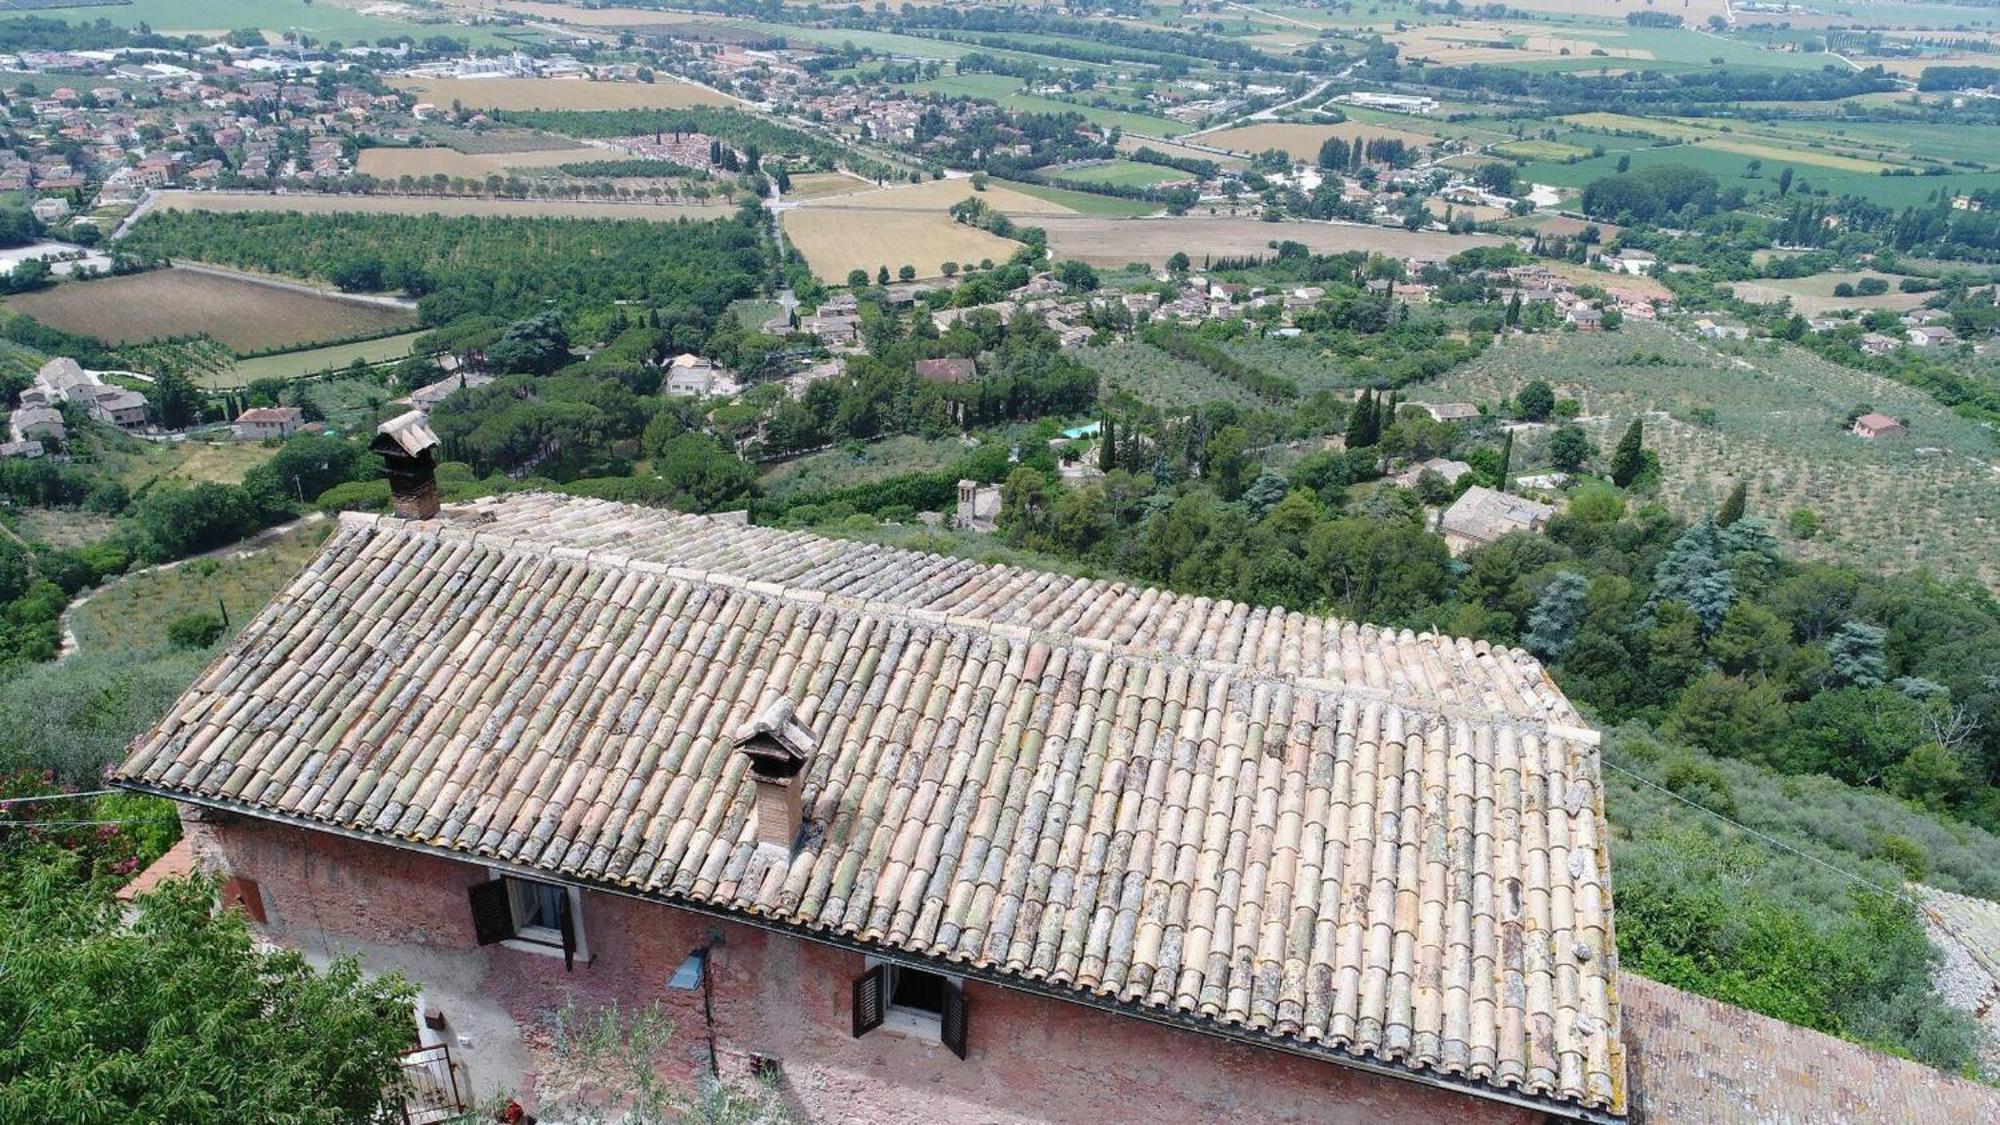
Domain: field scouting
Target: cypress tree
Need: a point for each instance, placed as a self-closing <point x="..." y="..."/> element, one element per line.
<point x="1107" y="446"/>
<point x="1361" y="422"/>
<point x="1356" y="160"/>
<point x="1506" y="460"/>
<point x="1629" y="458"/>
<point x="1514" y="309"/>
<point x="1733" y="505"/>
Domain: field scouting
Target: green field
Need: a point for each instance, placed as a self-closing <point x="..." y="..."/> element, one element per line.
<point x="326" y="22"/>
<point x="1778" y="423"/>
<point x="132" y="614"/>
<point x="312" y="361"/>
<point x="1729" y="168"/>
<point x="1125" y="173"/>
<point x="1006" y="91"/>
<point x="1083" y="202"/>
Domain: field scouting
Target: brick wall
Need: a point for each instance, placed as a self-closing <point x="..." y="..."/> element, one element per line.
<point x="1030" y="1058"/>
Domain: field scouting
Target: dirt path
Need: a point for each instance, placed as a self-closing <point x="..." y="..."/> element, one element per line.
<point x="241" y="547"/>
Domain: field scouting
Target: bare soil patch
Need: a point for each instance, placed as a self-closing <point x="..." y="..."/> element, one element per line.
<point x="244" y="315"/>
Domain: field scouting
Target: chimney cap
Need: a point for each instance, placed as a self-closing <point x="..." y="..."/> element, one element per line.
<point x="776" y="743"/>
<point x="407" y="435"/>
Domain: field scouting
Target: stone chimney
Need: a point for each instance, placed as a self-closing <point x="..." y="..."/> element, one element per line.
<point x="408" y="450"/>
<point x="779" y="748"/>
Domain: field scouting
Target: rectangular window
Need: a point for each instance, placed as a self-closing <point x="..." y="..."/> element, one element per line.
<point x="529" y="914"/>
<point x="911" y="1001"/>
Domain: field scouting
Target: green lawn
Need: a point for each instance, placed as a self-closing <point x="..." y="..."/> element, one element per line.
<point x="1125" y="173"/>
<point x="312" y="361"/>
<point x="1083" y="202"/>
<point x="323" y="21"/>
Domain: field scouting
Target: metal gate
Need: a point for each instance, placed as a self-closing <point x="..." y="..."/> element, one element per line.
<point x="430" y="1086"/>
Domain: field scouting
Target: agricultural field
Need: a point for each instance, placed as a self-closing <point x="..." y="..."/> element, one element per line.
<point x="1813" y="295"/>
<point x="61" y="528"/>
<point x="438" y="205"/>
<point x="938" y="195"/>
<point x="1772" y="415"/>
<point x="139" y="464"/>
<point x="312" y="361"/>
<point x="1114" y="242"/>
<point x="1160" y="378"/>
<point x="1129" y="143"/>
<point x="131" y="614"/>
<point x="838" y="240"/>
<point x="843" y="468"/>
<point x="243" y="315"/>
<point x="392" y="163"/>
<point x="1087" y="203"/>
<point x="1124" y="173"/>
<point x="1733" y="168"/>
<point x="1006" y="91"/>
<point x="819" y="185"/>
<point x="560" y="93"/>
<point x="324" y="21"/>
<point x="1303" y="141"/>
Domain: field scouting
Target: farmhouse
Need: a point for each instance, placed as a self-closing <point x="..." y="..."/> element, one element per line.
<point x="1932" y="336"/>
<point x="261" y="422"/>
<point x="930" y="840"/>
<point x="427" y="398"/>
<point x="912" y="827"/>
<point x="1875" y="343"/>
<point x="1585" y="318"/>
<point x="34" y="423"/>
<point x="1445" y="467"/>
<point x="1630" y="261"/>
<point x="116" y="406"/>
<point x="22" y="449"/>
<point x="1482" y="515"/>
<point x="690" y="374"/>
<point x="1872" y="426"/>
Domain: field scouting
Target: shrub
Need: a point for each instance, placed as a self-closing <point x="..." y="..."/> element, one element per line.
<point x="196" y="630"/>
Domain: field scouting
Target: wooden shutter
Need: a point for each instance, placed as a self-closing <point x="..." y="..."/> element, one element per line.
<point x="870" y="994"/>
<point x="492" y="912"/>
<point x="567" y="925"/>
<point x="951" y="1023"/>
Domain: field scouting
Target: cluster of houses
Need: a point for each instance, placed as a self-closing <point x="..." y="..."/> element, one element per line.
<point x="38" y="420"/>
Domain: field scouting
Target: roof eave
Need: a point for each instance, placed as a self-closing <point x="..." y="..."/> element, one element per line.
<point x="1182" y="1021"/>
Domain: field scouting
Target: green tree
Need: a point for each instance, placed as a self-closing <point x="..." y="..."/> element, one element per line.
<point x="1733" y="505"/>
<point x="1628" y="460"/>
<point x="1535" y="401"/>
<point x="702" y="475"/>
<point x="176" y="1015"/>
<point x="1558" y="614"/>
<point x="857" y="279"/>
<point x="195" y="630"/>
<point x="1570" y="448"/>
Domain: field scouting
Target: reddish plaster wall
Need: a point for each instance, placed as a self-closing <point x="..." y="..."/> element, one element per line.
<point x="1031" y="1058"/>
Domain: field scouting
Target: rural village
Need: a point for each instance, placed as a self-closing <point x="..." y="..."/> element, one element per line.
<point x="1286" y="561"/>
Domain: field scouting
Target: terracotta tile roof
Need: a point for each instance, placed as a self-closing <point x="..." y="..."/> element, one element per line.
<point x="1381" y="846"/>
<point x="1696" y="1059"/>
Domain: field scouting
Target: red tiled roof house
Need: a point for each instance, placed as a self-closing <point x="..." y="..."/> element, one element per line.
<point x="947" y="841"/>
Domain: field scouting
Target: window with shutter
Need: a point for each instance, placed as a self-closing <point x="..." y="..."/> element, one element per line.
<point x="492" y="912"/>
<point x="951" y="1022"/>
<point x="869" y="990"/>
<point x="531" y="915"/>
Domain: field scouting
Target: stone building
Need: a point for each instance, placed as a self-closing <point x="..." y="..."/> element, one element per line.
<point x="1046" y="840"/>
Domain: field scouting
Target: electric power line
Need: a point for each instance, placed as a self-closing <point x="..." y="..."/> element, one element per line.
<point x="55" y="797"/>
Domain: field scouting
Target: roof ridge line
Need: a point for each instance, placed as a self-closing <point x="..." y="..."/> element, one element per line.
<point x="940" y="620"/>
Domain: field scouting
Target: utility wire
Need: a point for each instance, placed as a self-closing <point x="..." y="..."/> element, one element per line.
<point x="5" y="801"/>
<point x="1766" y="837"/>
<point x="66" y="823"/>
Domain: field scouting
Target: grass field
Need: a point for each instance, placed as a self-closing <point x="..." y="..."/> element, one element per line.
<point x="140" y="464"/>
<point x="323" y="21"/>
<point x="244" y="316"/>
<point x="437" y="205"/>
<point x="1114" y="242"/>
<point x="559" y="93"/>
<point x="390" y="163"/>
<point x="1303" y="141"/>
<point x="1084" y="202"/>
<point x="293" y="365"/>
<point x="1129" y="143"/>
<point x="1778" y="423"/>
<point x="1535" y="148"/>
<point x="1006" y="91"/>
<point x="1730" y="167"/>
<point x="838" y="240"/>
<point x="1124" y="173"/>
<point x="1814" y="295"/>
<point x="939" y="195"/>
<point x="819" y="185"/>
<point x="1650" y="126"/>
<point x="132" y="614"/>
<point x="61" y="528"/>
